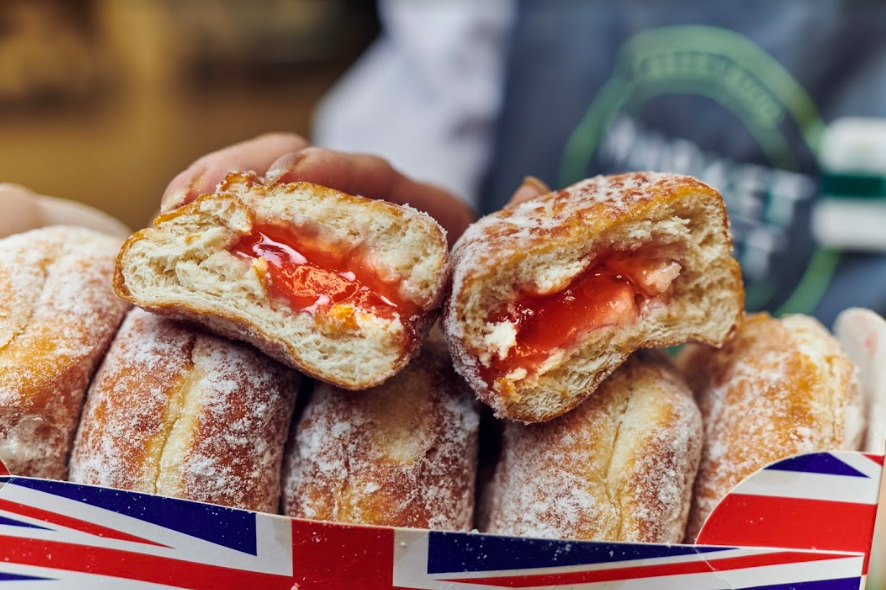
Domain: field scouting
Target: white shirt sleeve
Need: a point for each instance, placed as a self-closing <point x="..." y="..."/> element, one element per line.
<point x="426" y="95"/>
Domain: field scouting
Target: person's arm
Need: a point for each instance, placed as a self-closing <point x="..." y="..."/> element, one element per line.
<point x="24" y="210"/>
<point x="426" y="95"/>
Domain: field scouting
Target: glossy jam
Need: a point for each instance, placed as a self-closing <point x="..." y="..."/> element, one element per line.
<point x="606" y="294"/>
<point x="313" y="276"/>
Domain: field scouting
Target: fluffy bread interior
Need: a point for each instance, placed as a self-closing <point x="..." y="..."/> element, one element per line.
<point x="183" y="268"/>
<point x="703" y="303"/>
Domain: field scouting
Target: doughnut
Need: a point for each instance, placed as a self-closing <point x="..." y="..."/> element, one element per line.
<point x="179" y="413"/>
<point x="549" y="296"/>
<point x="779" y="388"/>
<point x="862" y="333"/>
<point x="402" y="454"/>
<point x="619" y="467"/>
<point x="58" y="314"/>
<point x="342" y="288"/>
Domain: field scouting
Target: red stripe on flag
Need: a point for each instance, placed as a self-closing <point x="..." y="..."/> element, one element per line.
<point x="651" y="571"/>
<point x="71" y="523"/>
<point x="764" y="521"/>
<point x="335" y="557"/>
<point x="135" y="566"/>
<point x="878" y="459"/>
<point x="3" y="469"/>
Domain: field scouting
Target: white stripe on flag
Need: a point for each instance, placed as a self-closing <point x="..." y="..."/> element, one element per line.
<point x="849" y="567"/>
<point x="274" y="534"/>
<point x="411" y="561"/>
<point x="811" y="486"/>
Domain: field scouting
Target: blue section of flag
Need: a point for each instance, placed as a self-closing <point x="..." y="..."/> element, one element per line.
<point x="4" y="577"/>
<point x="842" y="584"/>
<point x="10" y="522"/>
<point x="235" y="529"/>
<point x="460" y="552"/>
<point x="818" y="463"/>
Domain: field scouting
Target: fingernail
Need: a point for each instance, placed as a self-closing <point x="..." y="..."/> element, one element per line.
<point x="194" y="189"/>
<point x="282" y="166"/>
<point x="530" y="188"/>
<point x="537" y="184"/>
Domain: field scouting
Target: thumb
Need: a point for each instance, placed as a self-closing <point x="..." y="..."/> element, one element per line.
<point x="21" y="211"/>
<point x="529" y="189"/>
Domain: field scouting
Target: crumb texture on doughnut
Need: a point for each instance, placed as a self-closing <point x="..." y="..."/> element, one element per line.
<point x="779" y="388"/>
<point x="543" y="244"/>
<point x="619" y="467"/>
<point x="182" y="268"/>
<point x="179" y="413"/>
<point x="58" y="313"/>
<point x="402" y="454"/>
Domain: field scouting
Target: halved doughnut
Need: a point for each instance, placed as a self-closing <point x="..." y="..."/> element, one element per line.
<point x="340" y="287"/>
<point x="551" y="295"/>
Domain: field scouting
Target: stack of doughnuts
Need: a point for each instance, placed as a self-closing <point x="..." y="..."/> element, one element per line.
<point x="548" y="310"/>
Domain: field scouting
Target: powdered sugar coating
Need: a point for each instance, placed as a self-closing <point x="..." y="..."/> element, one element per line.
<point x="779" y="388"/>
<point x="517" y="230"/>
<point x="619" y="467"/>
<point x="58" y="313"/>
<point x="179" y="413"/>
<point x="402" y="454"/>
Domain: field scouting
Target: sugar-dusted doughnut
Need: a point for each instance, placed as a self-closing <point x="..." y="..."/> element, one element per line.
<point x="619" y="467"/>
<point x="179" y="413"/>
<point x="551" y="295"/>
<point x="401" y="454"/>
<point x="58" y="314"/>
<point x="779" y="388"/>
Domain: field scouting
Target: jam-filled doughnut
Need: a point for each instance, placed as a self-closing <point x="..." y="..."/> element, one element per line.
<point x="402" y="454"/>
<point x="619" y="467"/>
<point x="176" y="412"/>
<point x="340" y="287"/>
<point x="779" y="388"/>
<point x="58" y="314"/>
<point x="550" y="295"/>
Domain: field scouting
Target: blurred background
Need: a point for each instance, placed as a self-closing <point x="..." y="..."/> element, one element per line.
<point x="780" y="106"/>
<point x="105" y="101"/>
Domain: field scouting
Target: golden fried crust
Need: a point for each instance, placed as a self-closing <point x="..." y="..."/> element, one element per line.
<point x="58" y="313"/>
<point x="586" y="208"/>
<point x="402" y="454"/>
<point x="179" y="413"/>
<point x="619" y="467"/>
<point x="779" y="388"/>
<point x="244" y="194"/>
<point x="561" y="224"/>
<point x="569" y="216"/>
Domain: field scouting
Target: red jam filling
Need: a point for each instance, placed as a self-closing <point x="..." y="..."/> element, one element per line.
<point x="313" y="276"/>
<point x="606" y="294"/>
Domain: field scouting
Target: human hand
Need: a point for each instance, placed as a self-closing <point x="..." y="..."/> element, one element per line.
<point x="24" y="210"/>
<point x="284" y="157"/>
<point x="531" y="188"/>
